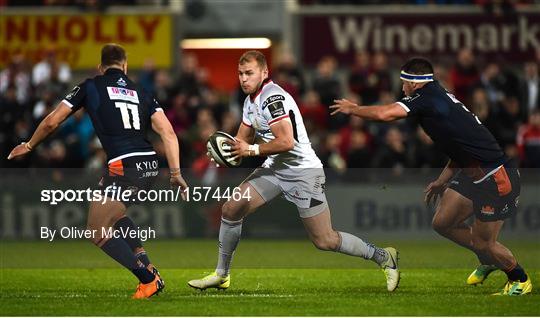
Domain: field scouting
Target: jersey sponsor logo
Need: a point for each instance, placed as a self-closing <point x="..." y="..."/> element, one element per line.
<point x="118" y="93"/>
<point x="276" y="109"/>
<point x="295" y="194"/>
<point x="487" y="210"/>
<point x="146" y="165"/>
<point x="73" y="92"/>
<point x="121" y="82"/>
<point x="272" y="99"/>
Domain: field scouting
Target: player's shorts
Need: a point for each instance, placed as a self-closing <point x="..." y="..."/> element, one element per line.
<point x="303" y="187"/>
<point x="130" y="174"/>
<point x="496" y="197"/>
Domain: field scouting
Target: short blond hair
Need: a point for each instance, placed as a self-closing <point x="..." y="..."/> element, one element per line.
<point x="253" y="55"/>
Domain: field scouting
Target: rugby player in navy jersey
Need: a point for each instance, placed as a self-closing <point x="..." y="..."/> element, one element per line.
<point x="478" y="180"/>
<point x="121" y="113"/>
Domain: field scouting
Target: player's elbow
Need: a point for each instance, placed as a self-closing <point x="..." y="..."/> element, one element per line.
<point x="49" y="125"/>
<point x="385" y="115"/>
<point x="288" y="144"/>
<point x="168" y="134"/>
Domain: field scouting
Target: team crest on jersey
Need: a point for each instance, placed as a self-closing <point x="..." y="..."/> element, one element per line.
<point x="73" y="92"/>
<point x="276" y="109"/>
<point x="121" y="82"/>
<point x="118" y="93"/>
<point x="272" y="99"/>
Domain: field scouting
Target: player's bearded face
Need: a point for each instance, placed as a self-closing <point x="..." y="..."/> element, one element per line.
<point x="251" y="76"/>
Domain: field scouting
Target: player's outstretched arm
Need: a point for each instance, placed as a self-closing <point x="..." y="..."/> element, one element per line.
<point x="388" y="112"/>
<point x="46" y="127"/>
<point x="162" y="126"/>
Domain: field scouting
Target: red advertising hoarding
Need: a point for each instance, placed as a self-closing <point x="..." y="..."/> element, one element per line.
<point x="432" y="35"/>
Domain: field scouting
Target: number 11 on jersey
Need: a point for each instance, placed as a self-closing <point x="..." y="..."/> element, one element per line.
<point x="125" y="109"/>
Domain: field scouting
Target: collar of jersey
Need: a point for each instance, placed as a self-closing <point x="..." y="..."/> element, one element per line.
<point x="254" y="95"/>
<point x="113" y="70"/>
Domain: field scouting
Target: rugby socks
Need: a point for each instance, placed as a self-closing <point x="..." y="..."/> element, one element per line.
<point x="352" y="245"/>
<point x="229" y="236"/>
<point x="126" y="223"/>
<point x="517" y="273"/>
<point x="141" y="256"/>
<point x="119" y="250"/>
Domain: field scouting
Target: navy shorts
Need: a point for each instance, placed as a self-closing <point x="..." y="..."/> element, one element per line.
<point x="130" y="174"/>
<point x="496" y="197"/>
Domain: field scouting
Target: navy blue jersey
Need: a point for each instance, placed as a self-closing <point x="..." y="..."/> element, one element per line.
<point x="454" y="129"/>
<point x="119" y="110"/>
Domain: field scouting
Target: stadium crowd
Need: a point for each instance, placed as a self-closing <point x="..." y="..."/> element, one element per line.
<point x="507" y="101"/>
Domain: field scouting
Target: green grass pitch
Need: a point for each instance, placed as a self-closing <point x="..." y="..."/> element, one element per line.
<point x="269" y="278"/>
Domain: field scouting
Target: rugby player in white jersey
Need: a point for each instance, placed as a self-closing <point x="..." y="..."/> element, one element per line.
<point x="292" y="169"/>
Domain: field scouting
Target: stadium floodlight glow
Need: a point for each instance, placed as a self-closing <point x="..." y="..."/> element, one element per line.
<point x="227" y="43"/>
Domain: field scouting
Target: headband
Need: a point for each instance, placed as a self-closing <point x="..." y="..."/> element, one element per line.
<point x="416" y="78"/>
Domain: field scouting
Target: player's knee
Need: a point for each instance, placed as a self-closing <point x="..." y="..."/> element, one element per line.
<point x="439" y="225"/>
<point x="482" y="245"/>
<point x="232" y="210"/>
<point x="325" y="242"/>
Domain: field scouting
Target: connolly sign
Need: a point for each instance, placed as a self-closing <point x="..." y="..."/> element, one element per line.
<point x="78" y="39"/>
<point x="409" y="34"/>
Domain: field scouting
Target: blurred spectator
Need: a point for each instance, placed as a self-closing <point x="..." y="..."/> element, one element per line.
<point x="379" y="79"/>
<point x="187" y="81"/>
<point x="50" y="70"/>
<point x="178" y="114"/>
<point x="314" y="113"/>
<point x="359" y="155"/>
<point x="289" y="75"/>
<point x="506" y="124"/>
<point x="528" y="141"/>
<point x="492" y="81"/>
<point x="393" y="153"/>
<point x="326" y="82"/>
<point x="330" y="155"/>
<point x="443" y="77"/>
<point x="370" y="77"/>
<point x="530" y="88"/>
<point x="464" y="75"/>
<point x="358" y="78"/>
<point x="356" y="124"/>
<point x="17" y="77"/>
<point x="212" y="101"/>
<point x="147" y="76"/>
<point x="77" y="133"/>
<point x="162" y="88"/>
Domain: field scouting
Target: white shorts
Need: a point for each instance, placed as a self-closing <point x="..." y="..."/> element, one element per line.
<point x="305" y="187"/>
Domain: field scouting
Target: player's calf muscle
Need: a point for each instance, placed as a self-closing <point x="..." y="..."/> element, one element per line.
<point x="327" y="242"/>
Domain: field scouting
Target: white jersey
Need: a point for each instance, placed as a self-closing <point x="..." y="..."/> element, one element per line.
<point x="273" y="104"/>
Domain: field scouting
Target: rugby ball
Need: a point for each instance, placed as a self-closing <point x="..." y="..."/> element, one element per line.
<point x="221" y="151"/>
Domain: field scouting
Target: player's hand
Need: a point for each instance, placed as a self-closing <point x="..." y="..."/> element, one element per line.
<point x="178" y="181"/>
<point x="18" y="151"/>
<point x="433" y="191"/>
<point x="343" y="106"/>
<point x="239" y="148"/>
